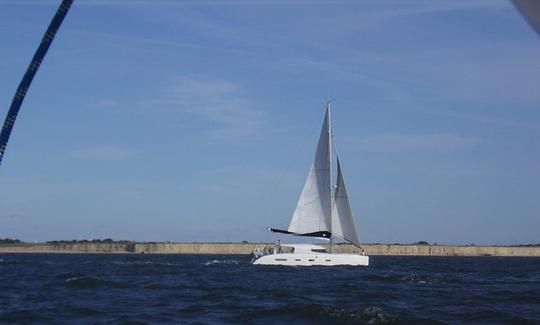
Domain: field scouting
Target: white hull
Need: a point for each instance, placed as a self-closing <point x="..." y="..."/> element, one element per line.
<point x="312" y="259"/>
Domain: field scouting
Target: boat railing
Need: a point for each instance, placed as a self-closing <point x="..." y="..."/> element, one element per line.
<point x="262" y="251"/>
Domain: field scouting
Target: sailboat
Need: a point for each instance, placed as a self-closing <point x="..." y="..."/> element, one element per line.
<point x="323" y="211"/>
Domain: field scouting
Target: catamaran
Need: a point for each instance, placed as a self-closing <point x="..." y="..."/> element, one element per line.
<point x="323" y="211"/>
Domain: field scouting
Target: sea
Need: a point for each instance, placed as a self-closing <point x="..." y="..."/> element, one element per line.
<point x="227" y="289"/>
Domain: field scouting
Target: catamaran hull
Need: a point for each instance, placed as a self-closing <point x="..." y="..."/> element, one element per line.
<point x="322" y="259"/>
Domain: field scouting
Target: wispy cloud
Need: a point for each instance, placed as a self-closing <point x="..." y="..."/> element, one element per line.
<point x="107" y="103"/>
<point x="230" y="177"/>
<point x="435" y="5"/>
<point x="105" y="153"/>
<point x="468" y="74"/>
<point x="218" y="101"/>
<point x="427" y="143"/>
<point x="406" y="8"/>
<point x="489" y="119"/>
<point x="14" y="216"/>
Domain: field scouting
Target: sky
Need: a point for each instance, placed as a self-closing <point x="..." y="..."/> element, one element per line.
<point x="159" y="120"/>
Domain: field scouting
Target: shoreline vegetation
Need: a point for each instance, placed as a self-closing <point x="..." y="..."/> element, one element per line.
<point x="421" y="248"/>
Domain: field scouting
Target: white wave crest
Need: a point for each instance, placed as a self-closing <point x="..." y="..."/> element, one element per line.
<point x="143" y="263"/>
<point x="212" y="262"/>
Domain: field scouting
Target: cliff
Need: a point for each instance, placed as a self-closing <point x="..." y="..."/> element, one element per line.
<point x="246" y="248"/>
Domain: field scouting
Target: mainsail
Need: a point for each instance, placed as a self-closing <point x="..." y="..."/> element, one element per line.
<point x="343" y="224"/>
<point x="313" y="211"/>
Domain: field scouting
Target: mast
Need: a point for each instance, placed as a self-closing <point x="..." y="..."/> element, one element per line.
<point x="329" y="126"/>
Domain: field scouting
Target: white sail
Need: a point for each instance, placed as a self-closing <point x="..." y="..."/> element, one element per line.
<point x="343" y="224"/>
<point x="313" y="210"/>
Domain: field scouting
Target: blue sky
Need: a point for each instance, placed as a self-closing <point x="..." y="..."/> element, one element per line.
<point x="198" y="120"/>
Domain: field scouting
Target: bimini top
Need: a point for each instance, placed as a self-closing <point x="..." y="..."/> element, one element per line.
<point x="305" y="248"/>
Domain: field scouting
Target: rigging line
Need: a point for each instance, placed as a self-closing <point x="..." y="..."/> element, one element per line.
<point x="31" y="71"/>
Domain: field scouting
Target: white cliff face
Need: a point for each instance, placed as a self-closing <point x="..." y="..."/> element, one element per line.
<point x="247" y="248"/>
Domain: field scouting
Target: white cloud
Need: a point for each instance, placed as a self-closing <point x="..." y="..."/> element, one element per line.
<point x="430" y="143"/>
<point x="406" y="8"/>
<point x="105" y="153"/>
<point x="432" y="5"/>
<point x="488" y="119"/>
<point x="217" y="101"/>
<point x="107" y="103"/>
<point x="234" y="179"/>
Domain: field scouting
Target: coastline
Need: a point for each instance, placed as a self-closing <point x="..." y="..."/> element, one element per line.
<point x="247" y="248"/>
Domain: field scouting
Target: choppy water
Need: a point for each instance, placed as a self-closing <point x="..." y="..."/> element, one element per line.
<point x="85" y="288"/>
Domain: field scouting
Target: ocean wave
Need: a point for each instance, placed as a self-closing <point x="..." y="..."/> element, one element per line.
<point x="522" y="296"/>
<point x="226" y="289"/>
<point x="381" y="277"/>
<point x="213" y="262"/>
<point x="131" y="263"/>
<point x="88" y="282"/>
<point x="410" y="278"/>
<point x="161" y="286"/>
<point x="369" y="315"/>
<point x="422" y="279"/>
<point x="24" y="316"/>
<point x="64" y="276"/>
<point x="315" y="313"/>
<point x="82" y="311"/>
